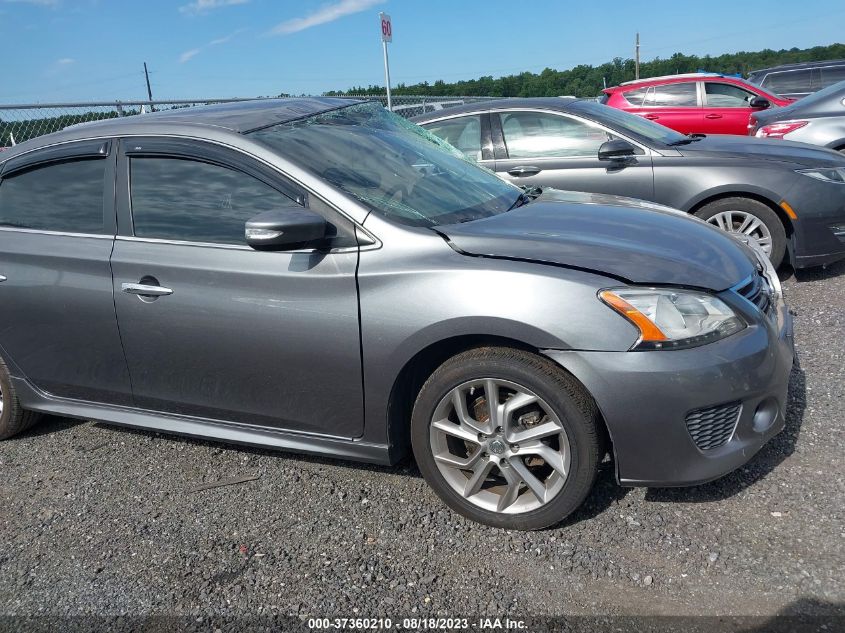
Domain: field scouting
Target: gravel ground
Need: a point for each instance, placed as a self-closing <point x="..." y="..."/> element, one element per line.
<point x="100" y="520"/>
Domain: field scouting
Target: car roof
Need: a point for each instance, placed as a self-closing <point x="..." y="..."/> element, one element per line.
<point x="237" y="117"/>
<point x="800" y="66"/>
<point x="544" y="103"/>
<point x="671" y="79"/>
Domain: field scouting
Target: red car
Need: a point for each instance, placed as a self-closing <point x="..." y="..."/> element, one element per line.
<point x="695" y="103"/>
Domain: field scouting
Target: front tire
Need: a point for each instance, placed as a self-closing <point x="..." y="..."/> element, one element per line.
<point x="528" y="465"/>
<point x="750" y="219"/>
<point x="13" y="419"/>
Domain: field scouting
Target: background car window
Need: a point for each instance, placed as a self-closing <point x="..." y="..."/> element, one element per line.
<point x="464" y="133"/>
<point x="721" y="95"/>
<point x="789" y="81"/>
<point x="831" y="75"/>
<point x="65" y="197"/>
<point x="535" y="134"/>
<point x="680" y="95"/>
<point x="178" y="199"/>
<point x="635" y="97"/>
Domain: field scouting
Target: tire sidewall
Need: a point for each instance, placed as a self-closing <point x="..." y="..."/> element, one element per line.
<point x="759" y="210"/>
<point x="583" y="458"/>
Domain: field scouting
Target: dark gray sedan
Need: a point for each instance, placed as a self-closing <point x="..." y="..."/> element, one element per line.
<point x="317" y="275"/>
<point x="788" y="197"/>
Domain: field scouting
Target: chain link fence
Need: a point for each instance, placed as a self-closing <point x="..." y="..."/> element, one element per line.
<point x="22" y="122"/>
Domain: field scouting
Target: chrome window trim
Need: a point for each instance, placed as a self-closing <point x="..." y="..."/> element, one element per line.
<point x="244" y="247"/>
<point x="648" y="151"/>
<point x="16" y="229"/>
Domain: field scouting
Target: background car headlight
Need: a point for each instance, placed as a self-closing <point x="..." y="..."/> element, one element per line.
<point x="670" y="318"/>
<point x="828" y="174"/>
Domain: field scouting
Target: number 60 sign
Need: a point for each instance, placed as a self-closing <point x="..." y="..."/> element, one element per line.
<point x="386" y="28"/>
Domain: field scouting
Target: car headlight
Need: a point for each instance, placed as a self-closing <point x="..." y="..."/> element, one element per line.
<point x="827" y="174"/>
<point x="672" y="318"/>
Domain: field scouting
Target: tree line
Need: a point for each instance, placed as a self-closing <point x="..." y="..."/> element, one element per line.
<point x="588" y="81"/>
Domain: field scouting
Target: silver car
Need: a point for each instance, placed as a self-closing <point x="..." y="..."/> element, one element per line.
<point x="321" y="276"/>
<point x="818" y="119"/>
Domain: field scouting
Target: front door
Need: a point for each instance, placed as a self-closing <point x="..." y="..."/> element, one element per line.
<point x="548" y="149"/>
<point x="219" y="330"/>
<point x="57" y="321"/>
<point x="727" y="108"/>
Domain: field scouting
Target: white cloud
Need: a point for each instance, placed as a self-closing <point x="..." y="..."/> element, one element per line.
<point x="41" y="3"/>
<point x="328" y="13"/>
<point x="204" y="6"/>
<point x="188" y="55"/>
<point x="65" y="61"/>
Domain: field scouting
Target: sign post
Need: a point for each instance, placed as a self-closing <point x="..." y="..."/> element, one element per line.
<point x="386" y="36"/>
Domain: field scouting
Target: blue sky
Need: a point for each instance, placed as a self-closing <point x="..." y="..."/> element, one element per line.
<point x="59" y="50"/>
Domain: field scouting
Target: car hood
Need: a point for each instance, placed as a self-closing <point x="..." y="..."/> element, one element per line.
<point x="636" y="241"/>
<point x="764" y="149"/>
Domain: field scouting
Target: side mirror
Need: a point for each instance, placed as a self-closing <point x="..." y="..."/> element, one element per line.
<point x="616" y="149"/>
<point x="760" y="103"/>
<point x="284" y="228"/>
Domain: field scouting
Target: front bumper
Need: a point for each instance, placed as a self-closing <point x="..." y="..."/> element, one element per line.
<point x="646" y="396"/>
<point x="820" y="207"/>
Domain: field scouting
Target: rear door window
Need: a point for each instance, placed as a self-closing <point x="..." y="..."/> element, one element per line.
<point x="789" y="81"/>
<point x="831" y="75"/>
<point x="64" y="196"/>
<point x="636" y="96"/>
<point x="464" y="133"/>
<point x="678" y="95"/>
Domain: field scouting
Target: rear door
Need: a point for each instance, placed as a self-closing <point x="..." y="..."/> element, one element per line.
<point x="675" y="105"/>
<point x="57" y="226"/>
<point x="551" y="149"/>
<point x="263" y="338"/>
<point x="727" y="108"/>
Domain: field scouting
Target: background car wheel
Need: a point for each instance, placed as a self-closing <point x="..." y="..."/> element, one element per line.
<point x="13" y="419"/>
<point x="750" y="218"/>
<point x="525" y="463"/>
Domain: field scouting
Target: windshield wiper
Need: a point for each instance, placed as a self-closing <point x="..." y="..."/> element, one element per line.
<point x="526" y="196"/>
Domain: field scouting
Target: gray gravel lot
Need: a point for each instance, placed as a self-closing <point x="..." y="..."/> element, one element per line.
<point x="96" y="519"/>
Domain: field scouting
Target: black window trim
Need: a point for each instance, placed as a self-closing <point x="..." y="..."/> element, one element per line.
<point x="69" y="151"/>
<point x="215" y="153"/>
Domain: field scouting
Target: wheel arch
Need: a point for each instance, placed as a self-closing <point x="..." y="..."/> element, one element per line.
<point x="765" y="197"/>
<point x="418" y="369"/>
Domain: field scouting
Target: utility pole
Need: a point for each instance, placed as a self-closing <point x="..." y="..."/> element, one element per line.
<point x="149" y="90"/>
<point x="637" y="58"/>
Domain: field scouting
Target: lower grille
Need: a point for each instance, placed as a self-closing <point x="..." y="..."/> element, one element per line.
<point x="713" y="426"/>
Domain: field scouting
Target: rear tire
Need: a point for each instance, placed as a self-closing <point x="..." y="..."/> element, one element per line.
<point x="750" y="218"/>
<point x="512" y="480"/>
<point x="13" y="419"/>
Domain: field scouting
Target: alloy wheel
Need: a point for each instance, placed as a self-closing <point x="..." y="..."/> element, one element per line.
<point x="746" y="224"/>
<point x="500" y="446"/>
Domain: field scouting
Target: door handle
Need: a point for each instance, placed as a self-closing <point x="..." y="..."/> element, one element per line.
<point x="146" y="291"/>
<point x="651" y="117"/>
<point x="712" y="116"/>
<point x="2" y="278"/>
<point x="524" y="171"/>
